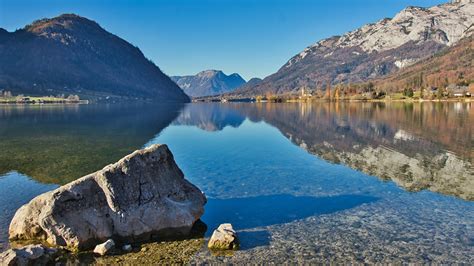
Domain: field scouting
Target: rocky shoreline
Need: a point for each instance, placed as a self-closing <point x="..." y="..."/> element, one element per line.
<point x="142" y="198"/>
<point x="379" y="231"/>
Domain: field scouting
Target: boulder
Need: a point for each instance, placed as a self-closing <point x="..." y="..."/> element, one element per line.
<point x="143" y="195"/>
<point x="104" y="248"/>
<point x="27" y="255"/>
<point x="224" y="238"/>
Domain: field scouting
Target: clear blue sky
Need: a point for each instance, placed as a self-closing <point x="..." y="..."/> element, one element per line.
<point x="251" y="37"/>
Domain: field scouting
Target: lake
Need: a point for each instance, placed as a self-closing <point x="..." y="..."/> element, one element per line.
<point x="301" y="182"/>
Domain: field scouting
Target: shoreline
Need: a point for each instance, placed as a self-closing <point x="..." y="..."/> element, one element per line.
<point x="45" y="103"/>
<point x="386" y="100"/>
<point x="454" y="100"/>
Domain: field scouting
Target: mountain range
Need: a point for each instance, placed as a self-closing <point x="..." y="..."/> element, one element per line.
<point x="208" y="83"/>
<point x="372" y="51"/>
<point x="70" y="54"/>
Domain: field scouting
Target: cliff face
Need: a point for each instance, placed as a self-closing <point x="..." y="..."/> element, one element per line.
<point x="70" y="54"/>
<point x="373" y="50"/>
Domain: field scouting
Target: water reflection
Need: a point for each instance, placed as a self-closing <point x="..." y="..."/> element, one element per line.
<point x="257" y="165"/>
<point x="16" y="190"/>
<point x="60" y="143"/>
<point x="210" y="117"/>
<point x="419" y="146"/>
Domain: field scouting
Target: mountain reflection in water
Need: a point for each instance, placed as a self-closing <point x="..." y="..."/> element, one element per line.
<point x="300" y="182"/>
<point x="418" y="146"/>
<point x="60" y="143"/>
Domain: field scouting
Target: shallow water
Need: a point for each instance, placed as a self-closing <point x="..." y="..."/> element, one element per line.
<point x="362" y="182"/>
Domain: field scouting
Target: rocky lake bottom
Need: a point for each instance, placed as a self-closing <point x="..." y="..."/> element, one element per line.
<point x="284" y="175"/>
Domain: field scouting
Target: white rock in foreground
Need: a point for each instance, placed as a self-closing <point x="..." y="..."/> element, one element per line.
<point x="105" y="247"/>
<point x="224" y="238"/>
<point x="141" y="196"/>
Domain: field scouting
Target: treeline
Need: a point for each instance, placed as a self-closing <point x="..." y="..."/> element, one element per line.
<point x="7" y="96"/>
<point x="444" y="75"/>
<point x="416" y="89"/>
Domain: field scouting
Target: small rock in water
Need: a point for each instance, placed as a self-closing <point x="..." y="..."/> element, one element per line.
<point x="105" y="247"/>
<point x="224" y="238"/>
<point x="127" y="248"/>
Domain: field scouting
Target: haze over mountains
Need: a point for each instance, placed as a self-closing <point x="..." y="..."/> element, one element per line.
<point x="70" y="54"/>
<point x="372" y="51"/>
<point x="209" y="83"/>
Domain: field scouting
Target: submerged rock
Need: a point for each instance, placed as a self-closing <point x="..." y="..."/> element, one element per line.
<point x="224" y="238"/>
<point x="104" y="248"/>
<point x="27" y="255"/>
<point x="141" y="196"/>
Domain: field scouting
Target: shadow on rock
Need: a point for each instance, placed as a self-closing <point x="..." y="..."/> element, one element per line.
<point x="247" y="213"/>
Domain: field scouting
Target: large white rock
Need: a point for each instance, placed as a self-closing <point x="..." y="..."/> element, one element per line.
<point x="141" y="196"/>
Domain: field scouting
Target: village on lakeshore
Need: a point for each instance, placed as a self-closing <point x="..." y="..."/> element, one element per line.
<point x="6" y="97"/>
<point x="451" y="92"/>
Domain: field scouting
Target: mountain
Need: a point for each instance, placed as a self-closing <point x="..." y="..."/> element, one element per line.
<point x="208" y="83"/>
<point x="373" y="50"/>
<point x="70" y="54"/>
<point x="251" y="83"/>
<point x="449" y="66"/>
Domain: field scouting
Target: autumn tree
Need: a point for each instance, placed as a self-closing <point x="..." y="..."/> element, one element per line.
<point x="336" y="92"/>
<point x="328" y="91"/>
